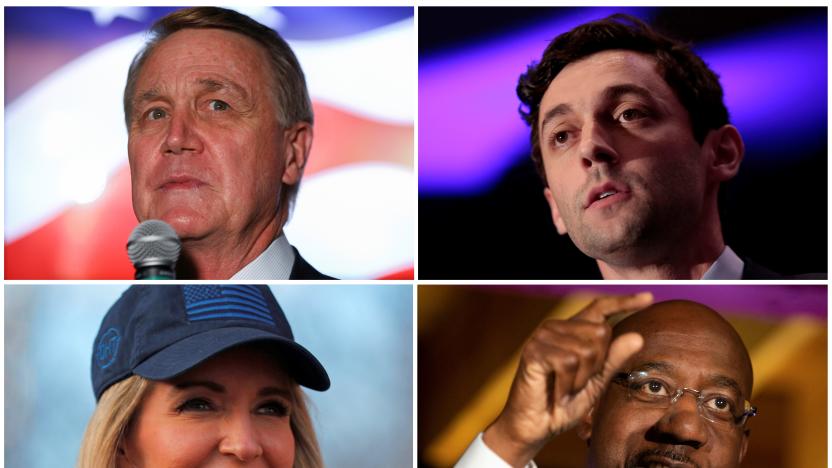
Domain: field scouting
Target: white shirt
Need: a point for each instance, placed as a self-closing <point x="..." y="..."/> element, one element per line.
<point x="478" y="455"/>
<point x="275" y="263"/>
<point x="728" y="266"/>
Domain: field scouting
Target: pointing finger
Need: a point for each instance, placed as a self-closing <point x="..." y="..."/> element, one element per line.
<point x="622" y="348"/>
<point x="600" y="309"/>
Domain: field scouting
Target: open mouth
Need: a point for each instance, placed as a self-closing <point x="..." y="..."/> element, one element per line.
<point x="607" y="193"/>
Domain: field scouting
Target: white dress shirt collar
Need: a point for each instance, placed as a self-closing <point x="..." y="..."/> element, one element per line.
<point x="728" y="266"/>
<point x="275" y="263"/>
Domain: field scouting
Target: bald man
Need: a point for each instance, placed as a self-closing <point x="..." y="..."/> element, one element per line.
<point x="667" y="386"/>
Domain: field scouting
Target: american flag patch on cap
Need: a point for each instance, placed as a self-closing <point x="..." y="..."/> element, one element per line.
<point x="226" y="302"/>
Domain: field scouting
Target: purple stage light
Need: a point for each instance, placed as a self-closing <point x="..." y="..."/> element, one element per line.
<point x="470" y="132"/>
<point x="469" y="128"/>
<point x="757" y="300"/>
<point x="775" y="86"/>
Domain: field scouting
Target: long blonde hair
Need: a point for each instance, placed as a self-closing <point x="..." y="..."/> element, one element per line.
<point x="109" y="422"/>
<point x="118" y="404"/>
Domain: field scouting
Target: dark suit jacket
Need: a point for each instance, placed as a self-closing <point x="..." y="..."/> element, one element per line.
<point x="302" y="270"/>
<point x="753" y="271"/>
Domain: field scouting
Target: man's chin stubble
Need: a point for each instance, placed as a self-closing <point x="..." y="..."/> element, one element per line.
<point x="611" y="247"/>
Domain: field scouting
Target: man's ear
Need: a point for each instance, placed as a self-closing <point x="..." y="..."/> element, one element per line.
<point x="584" y="428"/>
<point x="726" y="149"/>
<point x="297" y="146"/>
<point x="553" y="207"/>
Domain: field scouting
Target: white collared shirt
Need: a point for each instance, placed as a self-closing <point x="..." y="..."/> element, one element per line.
<point x="728" y="266"/>
<point x="275" y="263"/>
<point x="479" y="455"/>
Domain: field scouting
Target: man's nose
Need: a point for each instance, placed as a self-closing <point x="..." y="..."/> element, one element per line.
<point x="181" y="136"/>
<point x="682" y="423"/>
<point x="240" y="439"/>
<point x="596" y="145"/>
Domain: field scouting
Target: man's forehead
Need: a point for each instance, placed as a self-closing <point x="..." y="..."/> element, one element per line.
<point x="682" y="323"/>
<point x="609" y="64"/>
<point x="589" y="77"/>
<point x="694" y="350"/>
<point x="700" y="341"/>
<point x="210" y="39"/>
<point x="209" y="59"/>
<point x="202" y="81"/>
<point x="214" y="49"/>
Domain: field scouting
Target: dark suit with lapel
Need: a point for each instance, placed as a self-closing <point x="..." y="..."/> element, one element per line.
<point x="753" y="271"/>
<point x="302" y="270"/>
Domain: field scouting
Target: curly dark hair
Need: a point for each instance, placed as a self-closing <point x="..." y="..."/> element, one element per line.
<point x="696" y="86"/>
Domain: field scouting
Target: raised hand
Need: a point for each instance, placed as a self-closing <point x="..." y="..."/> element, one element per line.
<point x="565" y="366"/>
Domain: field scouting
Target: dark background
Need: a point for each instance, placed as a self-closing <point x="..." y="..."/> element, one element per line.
<point x="774" y="211"/>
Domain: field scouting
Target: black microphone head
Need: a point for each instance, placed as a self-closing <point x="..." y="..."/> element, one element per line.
<point x="153" y="243"/>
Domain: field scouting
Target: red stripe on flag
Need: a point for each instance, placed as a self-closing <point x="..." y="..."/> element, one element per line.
<point x="344" y="138"/>
<point x="82" y="242"/>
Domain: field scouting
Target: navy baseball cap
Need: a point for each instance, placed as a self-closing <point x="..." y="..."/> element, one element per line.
<point x="159" y="332"/>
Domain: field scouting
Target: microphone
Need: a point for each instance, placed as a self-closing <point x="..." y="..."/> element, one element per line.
<point x="153" y="248"/>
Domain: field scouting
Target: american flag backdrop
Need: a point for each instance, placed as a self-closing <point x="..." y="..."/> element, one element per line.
<point x="67" y="184"/>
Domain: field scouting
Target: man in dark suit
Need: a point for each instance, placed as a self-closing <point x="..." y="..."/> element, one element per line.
<point x="220" y="128"/>
<point x="632" y="139"/>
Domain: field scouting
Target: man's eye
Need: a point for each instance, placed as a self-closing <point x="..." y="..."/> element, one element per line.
<point x="195" y="404"/>
<point x="652" y="388"/>
<point x="560" y="138"/>
<point x="720" y="404"/>
<point x="217" y="105"/>
<point x="630" y="115"/>
<point x="156" y="114"/>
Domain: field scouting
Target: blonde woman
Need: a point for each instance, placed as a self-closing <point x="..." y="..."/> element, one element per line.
<point x="200" y="375"/>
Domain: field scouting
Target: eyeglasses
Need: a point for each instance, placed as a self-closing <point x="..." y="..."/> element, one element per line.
<point x="720" y="408"/>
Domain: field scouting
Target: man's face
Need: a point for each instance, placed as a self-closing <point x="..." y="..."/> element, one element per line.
<point x="626" y="432"/>
<point x="206" y="151"/>
<point x="619" y="155"/>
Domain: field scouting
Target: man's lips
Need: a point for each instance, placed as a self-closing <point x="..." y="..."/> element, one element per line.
<point x="651" y="461"/>
<point x="669" y="458"/>
<point x="181" y="183"/>
<point x="606" y="194"/>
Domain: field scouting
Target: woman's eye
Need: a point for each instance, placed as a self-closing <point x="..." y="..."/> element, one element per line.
<point x="156" y="114"/>
<point x="217" y="105"/>
<point x="195" y="404"/>
<point x="274" y="408"/>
